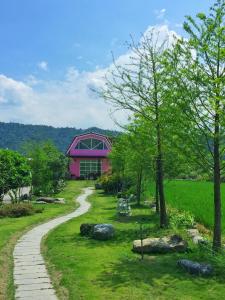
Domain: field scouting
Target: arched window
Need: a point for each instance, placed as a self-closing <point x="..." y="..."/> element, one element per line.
<point x="91" y="144"/>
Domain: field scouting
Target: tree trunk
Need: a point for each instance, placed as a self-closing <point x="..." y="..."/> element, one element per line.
<point x="217" y="192"/>
<point x="160" y="177"/>
<point x="139" y="183"/>
<point x="163" y="214"/>
<point x="162" y="203"/>
<point x="156" y="188"/>
<point x="157" y="193"/>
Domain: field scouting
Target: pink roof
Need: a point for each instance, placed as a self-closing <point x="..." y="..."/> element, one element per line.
<point x="89" y="152"/>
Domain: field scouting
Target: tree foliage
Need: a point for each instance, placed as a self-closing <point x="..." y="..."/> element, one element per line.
<point x="15" y="173"/>
<point x="48" y="167"/>
<point x="198" y="68"/>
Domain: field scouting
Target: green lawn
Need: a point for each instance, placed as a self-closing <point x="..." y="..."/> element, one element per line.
<point x="12" y="228"/>
<point x="86" y="269"/>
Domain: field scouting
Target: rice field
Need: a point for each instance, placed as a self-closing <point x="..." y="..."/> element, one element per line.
<point x="195" y="197"/>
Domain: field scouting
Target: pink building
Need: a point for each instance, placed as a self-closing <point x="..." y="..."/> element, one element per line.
<point x="88" y="155"/>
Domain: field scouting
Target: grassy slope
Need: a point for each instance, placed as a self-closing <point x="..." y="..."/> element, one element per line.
<point x="193" y="196"/>
<point x="11" y="229"/>
<point x="86" y="269"/>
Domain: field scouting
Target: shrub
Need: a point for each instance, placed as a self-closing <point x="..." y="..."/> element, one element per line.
<point x="19" y="210"/>
<point x="181" y="219"/>
<point x="114" y="183"/>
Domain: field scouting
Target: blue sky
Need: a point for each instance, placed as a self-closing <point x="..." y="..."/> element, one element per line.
<point x="44" y="42"/>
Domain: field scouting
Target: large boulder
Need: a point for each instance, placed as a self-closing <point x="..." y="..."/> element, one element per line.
<point x="174" y="243"/>
<point x="195" y="268"/>
<point x="87" y="229"/>
<point x="103" y="232"/>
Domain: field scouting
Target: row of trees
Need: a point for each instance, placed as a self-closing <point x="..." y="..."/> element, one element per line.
<point x="176" y="90"/>
<point x="42" y="167"/>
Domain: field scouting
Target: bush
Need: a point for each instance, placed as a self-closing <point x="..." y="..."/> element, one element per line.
<point x="19" y="210"/>
<point x="114" y="183"/>
<point x="181" y="219"/>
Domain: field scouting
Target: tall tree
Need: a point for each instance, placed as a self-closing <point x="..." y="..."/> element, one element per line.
<point x="197" y="66"/>
<point x="139" y="87"/>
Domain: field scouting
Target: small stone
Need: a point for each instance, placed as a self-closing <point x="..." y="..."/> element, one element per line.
<point x="193" y="232"/>
<point x="196" y="237"/>
<point x="195" y="268"/>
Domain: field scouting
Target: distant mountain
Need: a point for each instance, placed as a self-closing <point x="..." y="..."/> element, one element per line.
<point x="14" y="135"/>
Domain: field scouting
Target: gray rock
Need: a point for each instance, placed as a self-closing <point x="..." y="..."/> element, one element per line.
<point x="198" y="239"/>
<point x="174" y="243"/>
<point x="196" y="236"/>
<point x="193" y="232"/>
<point x="123" y="207"/>
<point x="87" y="229"/>
<point x="60" y="201"/>
<point x="195" y="268"/>
<point x="46" y="199"/>
<point x="50" y="200"/>
<point x="103" y="232"/>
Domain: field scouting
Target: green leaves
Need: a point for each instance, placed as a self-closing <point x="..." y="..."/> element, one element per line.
<point x="48" y="167"/>
<point x="14" y="170"/>
<point x="201" y="16"/>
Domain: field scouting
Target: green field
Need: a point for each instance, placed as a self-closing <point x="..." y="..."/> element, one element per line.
<point x="12" y="228"/>
<point x="193" y="196"/>
<point x="82" y="268"/>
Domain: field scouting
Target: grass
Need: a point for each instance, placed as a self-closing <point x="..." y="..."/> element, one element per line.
<point x="86" y="269"/>
<point x="12" y="228"/>
<point x="195" y="197"/>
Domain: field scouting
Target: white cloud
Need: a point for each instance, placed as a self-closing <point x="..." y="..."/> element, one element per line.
<point x="66" y="102"/>
<point x="43" y="65"/>
<point x="160" y="14"/>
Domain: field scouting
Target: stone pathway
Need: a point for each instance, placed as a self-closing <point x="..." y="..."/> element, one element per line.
<point x="30" y="274"/>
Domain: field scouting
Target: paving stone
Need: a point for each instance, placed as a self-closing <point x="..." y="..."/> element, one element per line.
<point x="34" y="287"/>
<point x="30" y="281"/>
<point x="30" y="275"/>
<point x="46" y="294"/>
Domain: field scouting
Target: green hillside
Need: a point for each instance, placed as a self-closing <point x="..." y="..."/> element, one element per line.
<point x="14" y="135"/>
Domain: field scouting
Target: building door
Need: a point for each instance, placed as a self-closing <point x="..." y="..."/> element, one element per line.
<point x="90" y="168"/>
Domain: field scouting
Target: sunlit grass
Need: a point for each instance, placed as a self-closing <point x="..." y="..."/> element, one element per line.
<point x="82" y="268"/>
